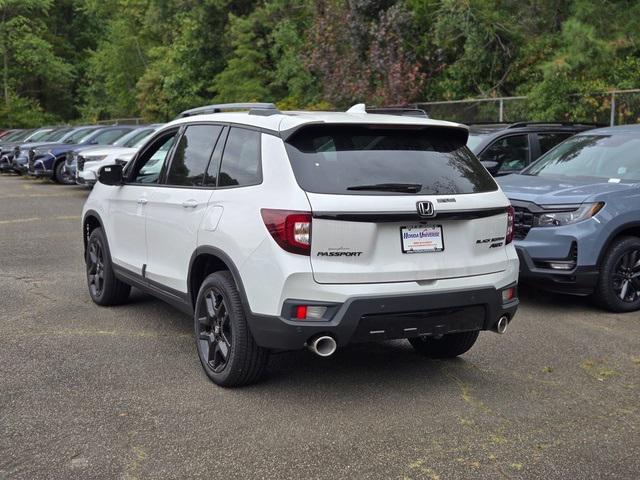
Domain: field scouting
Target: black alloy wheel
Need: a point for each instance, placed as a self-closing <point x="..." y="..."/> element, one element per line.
<point x="95" y="269"/>
<point x="626" y="277"/>
<point x="104" y="288"/>
<point x="214" y="330"/>
<point x="227" y="351"/>
<point x="618" y="287"/>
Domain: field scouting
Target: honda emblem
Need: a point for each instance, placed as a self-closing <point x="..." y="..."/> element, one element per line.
<point x="425" y="209"/>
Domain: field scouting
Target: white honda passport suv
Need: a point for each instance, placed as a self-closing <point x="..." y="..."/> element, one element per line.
<point x="280" y="230"/>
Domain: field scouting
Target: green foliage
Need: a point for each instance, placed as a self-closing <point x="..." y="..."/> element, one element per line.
<point x="96" y="59"/>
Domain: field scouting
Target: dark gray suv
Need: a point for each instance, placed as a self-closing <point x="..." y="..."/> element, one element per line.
<point x="577" y="217"/>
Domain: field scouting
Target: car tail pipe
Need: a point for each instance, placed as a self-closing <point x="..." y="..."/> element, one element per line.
<point x="501" y="325"/>
<point x="322" y="345"/>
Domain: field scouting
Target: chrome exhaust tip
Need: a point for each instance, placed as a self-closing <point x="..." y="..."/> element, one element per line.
<point x="323" y="345"/>
<point x="502" y="324"/>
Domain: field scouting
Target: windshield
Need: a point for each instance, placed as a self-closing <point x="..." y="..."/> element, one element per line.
<point x="609" y="157"/>
<point x="38" y="135"/>
<point x="106" y="136"/>
<point x="141" y="141"/>
<point x="78" y="135"/>
<point x="131" y="138"/>
<point x="56" y="134"/>
<point x="15" y="136"/>
<point x="382" y="160"/>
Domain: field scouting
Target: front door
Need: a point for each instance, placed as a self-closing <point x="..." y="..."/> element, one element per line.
<point x="128" y="205"/>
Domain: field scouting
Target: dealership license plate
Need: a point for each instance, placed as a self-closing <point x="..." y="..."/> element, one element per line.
<point x="421" y="239"/>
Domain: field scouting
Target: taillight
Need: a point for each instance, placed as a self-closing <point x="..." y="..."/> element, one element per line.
<point x="510" y="219"/>
<point x="290" y="229"/>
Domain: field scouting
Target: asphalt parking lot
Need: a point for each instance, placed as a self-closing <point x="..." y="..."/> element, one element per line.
<point x="89" y="392"/>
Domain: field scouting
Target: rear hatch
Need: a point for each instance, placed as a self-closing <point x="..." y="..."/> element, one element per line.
<point x="398" y="203"/>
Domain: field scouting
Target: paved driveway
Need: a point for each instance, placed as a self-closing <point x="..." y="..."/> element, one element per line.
<point x="89" y="392"/>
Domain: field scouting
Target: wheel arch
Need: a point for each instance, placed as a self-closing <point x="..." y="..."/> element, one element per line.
<point x="631" y="229"/>
<point x="206" y="260"/>
<point x="90" y="222"/>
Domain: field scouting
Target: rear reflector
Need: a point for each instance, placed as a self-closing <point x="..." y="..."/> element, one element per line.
<point x="508" y="294"/>
<point x="310" y="312"/>
<point x="290" y="229"/>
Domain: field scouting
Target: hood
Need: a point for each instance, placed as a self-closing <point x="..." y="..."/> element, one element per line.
<point x="557" y="190"/>
<point x="27" y="146"/>
<point x="102" y="150"/>
<point x="60" y="148"/>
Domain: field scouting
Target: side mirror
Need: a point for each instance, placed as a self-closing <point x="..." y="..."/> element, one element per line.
<point x="110" y="175"/>
<point x="492" y="167"/>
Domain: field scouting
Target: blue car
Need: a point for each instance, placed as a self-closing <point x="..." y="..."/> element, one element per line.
<point x="577" y="217"/>
<point x="49" y="160"/>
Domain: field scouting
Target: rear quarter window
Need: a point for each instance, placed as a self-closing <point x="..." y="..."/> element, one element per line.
<point x="339" y="159"/>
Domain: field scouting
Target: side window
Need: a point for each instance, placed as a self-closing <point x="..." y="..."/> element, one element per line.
<point x="511" y="153"/>
<point x="192" y="155"/>
<point x="149" y="165"/>
<point x="241" y="159"/>
<point x="549" y="140"/>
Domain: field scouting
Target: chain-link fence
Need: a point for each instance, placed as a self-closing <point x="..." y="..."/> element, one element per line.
<point x="121" y="121"/>
<point x="617" y="107"/>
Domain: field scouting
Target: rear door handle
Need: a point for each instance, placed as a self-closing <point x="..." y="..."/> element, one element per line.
<point x="189" y="204"/>
<point x="142" y="201"/>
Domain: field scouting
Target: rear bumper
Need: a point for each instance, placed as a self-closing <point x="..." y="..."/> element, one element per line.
<point x="581" y="280"/>
<point x="364" y="319"/>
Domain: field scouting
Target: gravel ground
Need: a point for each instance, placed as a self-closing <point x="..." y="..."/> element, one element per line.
<point x="90" y="392"/>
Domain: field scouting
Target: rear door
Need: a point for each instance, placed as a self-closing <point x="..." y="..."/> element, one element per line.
<point x="398" y="204"/>
<point x="177" y="206"/>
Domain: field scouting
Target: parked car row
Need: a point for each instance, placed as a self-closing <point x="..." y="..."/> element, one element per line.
<point x="55" y="152"/>
<point x="278" y="230"/>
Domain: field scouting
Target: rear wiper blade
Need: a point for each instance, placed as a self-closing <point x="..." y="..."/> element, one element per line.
<point x="390" y="187"/>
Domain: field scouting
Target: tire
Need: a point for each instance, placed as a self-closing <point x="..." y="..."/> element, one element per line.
<point x="448" y="346"/>
<point x="620" y="266"/>
<point x="228" y="353"/>
<point x="60" y="177"/>
<point x="104" y="288"/>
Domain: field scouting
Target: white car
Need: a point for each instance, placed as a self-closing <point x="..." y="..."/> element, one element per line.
<point x="280" y="230"/>
<point x="89" y="161"/>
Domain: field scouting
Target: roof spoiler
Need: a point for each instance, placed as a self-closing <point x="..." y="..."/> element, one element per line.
<point x="264" y="109"/>
<point x="361" y="108"/>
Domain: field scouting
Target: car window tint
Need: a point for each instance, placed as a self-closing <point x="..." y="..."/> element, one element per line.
<point x="549" y="140"/>
<point x="192" y="155"/>
<point x="241" y="159"/>
<point x="149" y="166"/>
<point x="347" y="159"/>
<point x="511" y="153"/>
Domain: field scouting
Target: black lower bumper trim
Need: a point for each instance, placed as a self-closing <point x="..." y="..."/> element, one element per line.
<point x="580" y="281"/>
<point x="385" y="318"/>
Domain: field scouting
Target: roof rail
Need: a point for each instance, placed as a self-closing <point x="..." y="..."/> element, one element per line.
<point x="254" y="108"/>
<point x="401" y="111"/>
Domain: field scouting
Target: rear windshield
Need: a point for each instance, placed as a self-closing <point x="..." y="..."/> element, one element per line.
<point x="384" y="160"/>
